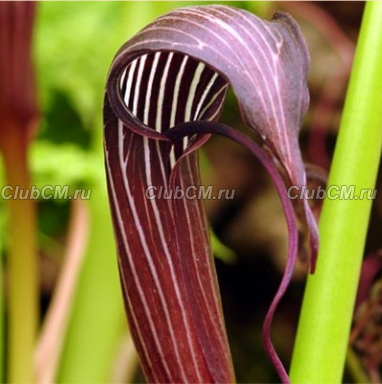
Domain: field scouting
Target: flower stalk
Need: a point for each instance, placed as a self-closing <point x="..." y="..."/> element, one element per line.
<point x="22" y="260"/>
<point x="18" y="120"/>
<point x="324" y="326"/>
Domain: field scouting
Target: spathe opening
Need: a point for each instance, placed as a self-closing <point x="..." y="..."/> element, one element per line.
<point x="166" y="88"/>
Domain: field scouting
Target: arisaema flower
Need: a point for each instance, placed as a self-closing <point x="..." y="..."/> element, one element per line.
<point x="164" y="96"/>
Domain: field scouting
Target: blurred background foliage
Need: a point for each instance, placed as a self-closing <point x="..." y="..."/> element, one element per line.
<point x="74" y="44"/>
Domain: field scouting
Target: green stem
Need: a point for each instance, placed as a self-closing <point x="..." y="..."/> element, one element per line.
<point x="22" y="260"/>
<point x="323" y="331"/>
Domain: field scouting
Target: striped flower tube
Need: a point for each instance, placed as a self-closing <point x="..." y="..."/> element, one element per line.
<point x="164" y="95"/>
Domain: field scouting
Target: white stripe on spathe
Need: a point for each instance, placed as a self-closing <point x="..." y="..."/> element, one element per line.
<point x="158" y="122"/>
<point x="129" y="82"/>
<point x="122" y="78"/>
<point x="142" y="61"/>
<point x="191" y="93"/>
<point x="191" y="96"/>
<point x="149" y="88"/>
<point x="215" y="96"/>
<point x="172" y="157"/>
<point x="204" y="95"/>
<point x="178" y="81"/>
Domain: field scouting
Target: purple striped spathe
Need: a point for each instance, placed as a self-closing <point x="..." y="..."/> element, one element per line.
<point x="172" y="76"/>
